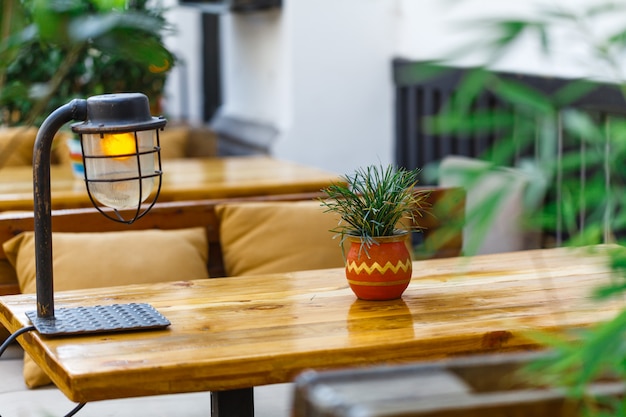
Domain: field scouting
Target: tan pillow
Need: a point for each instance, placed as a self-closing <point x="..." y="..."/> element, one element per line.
<point x="173" y="141"/>
<point x="267" y="237"/>
<point x="91" y="260"/>
<point x="16" y="146"/>
<point x="8" y="275"/>
<point x="60" y="148"/>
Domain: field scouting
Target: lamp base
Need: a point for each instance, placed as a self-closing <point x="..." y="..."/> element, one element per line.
<point x="99" y="319"/>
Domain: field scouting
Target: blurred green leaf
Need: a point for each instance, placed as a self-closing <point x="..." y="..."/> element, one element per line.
<point x="13" y="90"/>
<point x="94" y="26"/>
<point x="581" y="125"/>
<point x="601" y="8"/>
<point x="53" y="16"/>
<point x="146" y="51"/>
<point x="507" y="31"/>
<point x="408" y="74"/>
<point x="608" y="291"/>
<point x="544" y="39"/>
<point x="468" y="91"/>
<point x="579" y="151"/>
<point x="523" y="95"/>
<point x="481" y="121"/>
<point x="109" y="5"/>
<point x="9" y="48"/>
<point x="572" y="91"/>
<point x="602" y="346"/>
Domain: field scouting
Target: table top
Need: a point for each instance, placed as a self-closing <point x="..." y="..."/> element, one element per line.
<point x="236" y="332"/>
<point x="183" y="179"/>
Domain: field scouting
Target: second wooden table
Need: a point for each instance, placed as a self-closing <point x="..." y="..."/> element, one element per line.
<point x="183" y="179"/>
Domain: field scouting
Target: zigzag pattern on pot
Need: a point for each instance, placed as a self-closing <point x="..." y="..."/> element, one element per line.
<point x="369" y="269"/>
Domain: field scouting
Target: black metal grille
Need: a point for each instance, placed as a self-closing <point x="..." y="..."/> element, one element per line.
<point x="420" y="92"/>
<point x="418" y="95"/>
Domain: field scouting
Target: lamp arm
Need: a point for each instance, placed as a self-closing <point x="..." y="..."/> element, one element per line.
<point x="74" y="110"/>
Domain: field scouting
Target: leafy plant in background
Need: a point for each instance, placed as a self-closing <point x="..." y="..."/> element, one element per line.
<point x="52" y="51"/>
<point x="588" y="209"/>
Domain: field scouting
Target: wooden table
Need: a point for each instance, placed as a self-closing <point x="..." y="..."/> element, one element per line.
<point x="239" y="332"/>
<point x="183" y="179"/>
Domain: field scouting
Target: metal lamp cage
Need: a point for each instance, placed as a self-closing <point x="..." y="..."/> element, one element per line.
<point x="145" y="152"/>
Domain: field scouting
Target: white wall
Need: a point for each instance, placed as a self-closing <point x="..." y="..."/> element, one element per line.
<point x="183" y="94"/>
<point x="255" y="67"/>
<point x="320" y="70"/>
<point x="340" y="85"/>
<point x="458" y="29"/>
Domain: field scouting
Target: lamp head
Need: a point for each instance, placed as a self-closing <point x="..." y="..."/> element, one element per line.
<point x="121" y="153"/>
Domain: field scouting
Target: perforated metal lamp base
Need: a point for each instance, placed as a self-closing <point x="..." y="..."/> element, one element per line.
<point x="99" y="319"/>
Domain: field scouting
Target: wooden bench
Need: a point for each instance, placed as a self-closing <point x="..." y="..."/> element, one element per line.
<point x="446" y="209"/>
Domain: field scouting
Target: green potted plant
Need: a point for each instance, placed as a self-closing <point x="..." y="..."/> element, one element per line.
<point x="54" y="51"/>
<point x="378" y="208"/>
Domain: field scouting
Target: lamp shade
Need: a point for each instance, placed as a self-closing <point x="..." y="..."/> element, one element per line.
<point x="124" y="112"/>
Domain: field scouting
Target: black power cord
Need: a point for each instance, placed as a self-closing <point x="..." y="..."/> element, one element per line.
<point x="76" y="409"/>
<point x="12" y="338"/>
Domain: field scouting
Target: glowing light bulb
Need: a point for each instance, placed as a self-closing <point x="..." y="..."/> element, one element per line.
<point x="118" y="144"/>
<point x="114" y="180"/>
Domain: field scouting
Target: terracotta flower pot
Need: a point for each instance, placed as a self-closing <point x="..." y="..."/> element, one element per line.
<point x="380" y="272"/>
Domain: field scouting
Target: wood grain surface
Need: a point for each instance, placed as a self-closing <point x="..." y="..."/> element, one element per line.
<point x="236" y="332"/>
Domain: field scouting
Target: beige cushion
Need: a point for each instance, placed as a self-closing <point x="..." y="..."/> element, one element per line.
<point x="499" y="203"/>
<point x="16" y="145"/>
<point x="91" y="260"/>
<point x="267" y="237"/>
<point x="173" y="141"/>
<point x="8" y="275"/>
<point x="61" y="149"/>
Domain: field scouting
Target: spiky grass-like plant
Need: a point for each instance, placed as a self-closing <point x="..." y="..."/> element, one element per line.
<point x="375" y="202"/>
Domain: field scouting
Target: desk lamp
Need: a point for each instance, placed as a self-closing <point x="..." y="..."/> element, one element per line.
<point x="121" y="155"/>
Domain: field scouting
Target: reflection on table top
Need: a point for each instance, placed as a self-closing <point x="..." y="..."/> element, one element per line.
<point x="183" y="179"/>
<point x="230" y="333"/>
